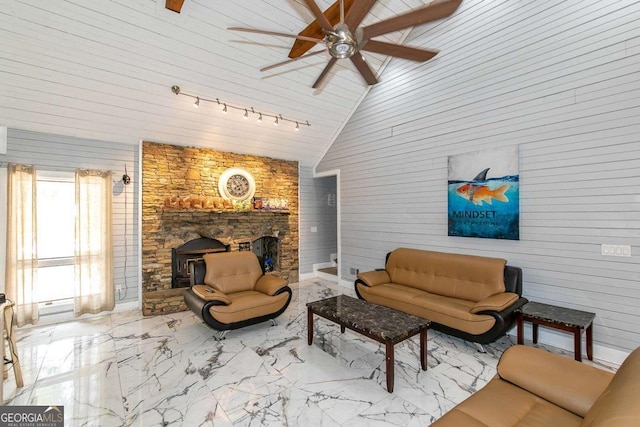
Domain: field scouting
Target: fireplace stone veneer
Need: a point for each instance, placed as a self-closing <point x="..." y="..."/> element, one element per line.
<point x="167" y="171"/>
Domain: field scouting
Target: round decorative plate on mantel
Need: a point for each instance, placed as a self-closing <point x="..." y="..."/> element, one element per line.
<point x="236" y="184"/>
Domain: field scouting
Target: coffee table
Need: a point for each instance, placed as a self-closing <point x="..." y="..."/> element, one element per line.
<point x="382" y="324"/>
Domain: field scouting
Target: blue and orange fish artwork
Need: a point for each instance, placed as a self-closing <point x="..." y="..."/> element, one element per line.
<point x="479" y="193"/>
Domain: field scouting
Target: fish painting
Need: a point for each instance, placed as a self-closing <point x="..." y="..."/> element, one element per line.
<point x="478" y="193"/>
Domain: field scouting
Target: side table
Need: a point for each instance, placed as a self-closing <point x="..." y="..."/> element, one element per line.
<point x="562" y="318"/>
<point x="6" y="329"/>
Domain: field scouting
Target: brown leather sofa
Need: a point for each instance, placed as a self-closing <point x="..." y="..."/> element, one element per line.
<point x="537" y="388"/>
<point x="467" y="296"/>
<point x="229" y="291"/>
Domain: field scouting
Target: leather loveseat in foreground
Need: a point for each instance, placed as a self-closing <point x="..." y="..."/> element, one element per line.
<point x="468" y="296"/>
<point x="537" y="388"/>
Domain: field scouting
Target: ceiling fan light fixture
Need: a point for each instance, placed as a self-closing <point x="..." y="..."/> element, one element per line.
<point x="341" y="43"/>
<point x="342" y="50"/>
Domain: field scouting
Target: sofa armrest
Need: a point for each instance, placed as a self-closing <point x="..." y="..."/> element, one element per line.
<point x="207" y="293"/>
<point x="562" y="381"/>
<point x="497" y="302"/>
<point x="270" y="284"/>
<point x="374" y="278"/>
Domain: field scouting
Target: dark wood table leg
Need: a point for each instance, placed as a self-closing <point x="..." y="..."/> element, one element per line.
<point x="590" y="341"/>
<point x="342" y="329"/>
<point x="309" y="326"/>
<point x="390" y="365"/>
<point x="534" y="326"/>
<point x="520" y="327"/>
<point x="423" y="348"/>
<point x="577" y="343"/>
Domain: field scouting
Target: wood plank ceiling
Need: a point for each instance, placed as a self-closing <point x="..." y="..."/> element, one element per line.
<point x="104" y="69"/>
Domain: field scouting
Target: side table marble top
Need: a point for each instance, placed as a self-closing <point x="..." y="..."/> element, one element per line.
<point x="556" y="314"/>
<point x="562" y="318"/>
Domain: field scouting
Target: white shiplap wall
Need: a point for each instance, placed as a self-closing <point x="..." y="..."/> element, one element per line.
<point x="315" y="211"/>
<point x="103" y="70"/>
<point x="62" y="153"/>
<point x="561" y="79"/>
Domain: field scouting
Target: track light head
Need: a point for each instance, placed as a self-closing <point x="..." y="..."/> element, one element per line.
<point x="224" y="110"/>
<point x="197" y="103"/>
<point x="275" y="122"/>
<point x="260" y="118"/>
<point x="246" y="114"/>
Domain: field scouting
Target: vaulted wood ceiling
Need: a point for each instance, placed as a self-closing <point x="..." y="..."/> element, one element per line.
<point x="104" y="70"/>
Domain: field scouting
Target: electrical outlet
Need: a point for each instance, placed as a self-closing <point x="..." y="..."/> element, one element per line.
<point x="615" y="250"/>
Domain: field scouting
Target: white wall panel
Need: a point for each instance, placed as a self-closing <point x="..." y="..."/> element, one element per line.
<point x="558" y="78"/>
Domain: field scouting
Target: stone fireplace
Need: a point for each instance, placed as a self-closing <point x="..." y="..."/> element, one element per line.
<point x="170" y="171"/>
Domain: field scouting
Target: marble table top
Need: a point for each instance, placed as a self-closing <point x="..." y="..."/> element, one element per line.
<point x="373" y="319"/>
<point x="560" y="315"/>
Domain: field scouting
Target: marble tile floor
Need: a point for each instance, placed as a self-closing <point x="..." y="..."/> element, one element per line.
<point x="124" y="369"/>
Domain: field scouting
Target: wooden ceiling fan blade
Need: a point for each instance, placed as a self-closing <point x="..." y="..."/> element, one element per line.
<point x="274" y="33"/>
<point x="322" y="20"/>
<point x="324" y="73"/>
<point x="291" y="60"/>
<point x="356" y="14"/>
<point x="314" y="30"/>
<point x="364" y="69"/>
<point x="400" y="51"/>
<point x="437" y="9"/>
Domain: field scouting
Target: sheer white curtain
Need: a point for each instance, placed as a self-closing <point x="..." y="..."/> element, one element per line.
<point x="93" y="255"/>
<point x="22" y="257"/>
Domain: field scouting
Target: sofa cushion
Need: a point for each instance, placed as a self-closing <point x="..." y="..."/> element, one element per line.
<point x="501" y="404"/>
<point x="248" y="305"/>
<point x="231" y="272"/>
<point x="618" y="405"/>
<point x="448" y="311"/>
<point x="467" y="277"/>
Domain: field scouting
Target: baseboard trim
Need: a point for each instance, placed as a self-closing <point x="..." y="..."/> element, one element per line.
<point x="307" y="276"/>
<point x="320" y="265"/>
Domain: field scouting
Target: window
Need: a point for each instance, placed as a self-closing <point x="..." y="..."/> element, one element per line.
<point x="56" y="230"/>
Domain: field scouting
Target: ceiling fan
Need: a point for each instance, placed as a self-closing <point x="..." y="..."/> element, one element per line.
<point x="347" y="39"/>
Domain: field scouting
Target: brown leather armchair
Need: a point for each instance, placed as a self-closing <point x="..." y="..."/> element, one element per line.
<point x="229" y="290"/>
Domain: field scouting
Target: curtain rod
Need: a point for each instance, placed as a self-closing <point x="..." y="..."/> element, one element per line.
<point x="53" y="168"/>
